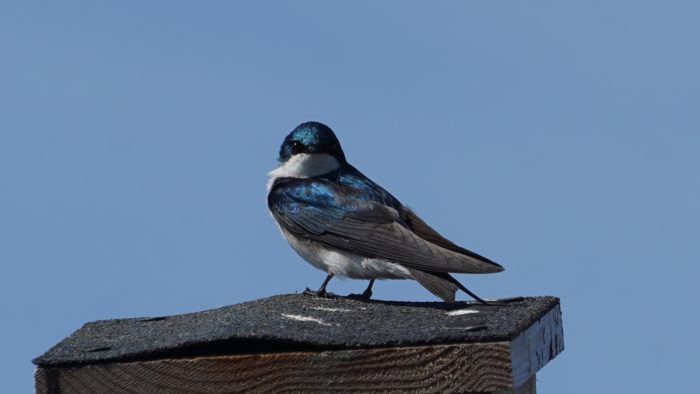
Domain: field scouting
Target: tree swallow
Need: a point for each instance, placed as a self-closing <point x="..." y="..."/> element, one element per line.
<point x="343" y="223"/>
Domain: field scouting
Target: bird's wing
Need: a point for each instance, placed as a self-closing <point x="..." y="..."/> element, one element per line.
<point x="355" y="179"/>
<point x="423" y="230"/>
<point x="340" y="217"/>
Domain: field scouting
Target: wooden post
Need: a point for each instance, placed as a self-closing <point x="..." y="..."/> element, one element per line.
<point x="296" y="343"/>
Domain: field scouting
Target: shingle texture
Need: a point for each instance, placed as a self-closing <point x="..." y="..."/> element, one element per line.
<point x="296" y="322"/>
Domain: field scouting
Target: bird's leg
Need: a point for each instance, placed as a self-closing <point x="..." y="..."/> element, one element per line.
<point x="321" y="292"/>
<point x="322" y="289"/>
<point x="366" y="295"/>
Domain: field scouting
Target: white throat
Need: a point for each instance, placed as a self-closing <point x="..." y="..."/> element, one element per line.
<point x="304" y="165"/>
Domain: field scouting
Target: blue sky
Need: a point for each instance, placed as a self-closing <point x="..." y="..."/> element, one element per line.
<point x="558" y="139"/>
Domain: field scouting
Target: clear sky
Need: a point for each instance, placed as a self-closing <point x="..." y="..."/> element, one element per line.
<point x="561" y="140"/>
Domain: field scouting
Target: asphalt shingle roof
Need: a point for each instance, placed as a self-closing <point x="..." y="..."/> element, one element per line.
<point x="296" y="322"/>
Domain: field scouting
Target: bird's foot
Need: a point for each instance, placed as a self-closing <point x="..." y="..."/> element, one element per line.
<point x="319" y="293"/>
<point x="365" y="296"/>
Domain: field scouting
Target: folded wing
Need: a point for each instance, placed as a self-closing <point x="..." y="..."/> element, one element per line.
<point x="339" y="217"/>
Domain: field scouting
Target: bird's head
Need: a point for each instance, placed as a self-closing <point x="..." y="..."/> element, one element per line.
<point x="311" y="149"/>
<point x="311" y="138"/>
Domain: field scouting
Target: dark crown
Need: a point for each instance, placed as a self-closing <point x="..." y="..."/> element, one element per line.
<point x="311" y="137"/>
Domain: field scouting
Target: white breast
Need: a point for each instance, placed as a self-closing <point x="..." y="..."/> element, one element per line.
<point x="303" y="165"/>
<point x="342" y="263"/>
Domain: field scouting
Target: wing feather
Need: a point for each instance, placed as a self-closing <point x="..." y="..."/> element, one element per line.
<point x="338" y="216"/>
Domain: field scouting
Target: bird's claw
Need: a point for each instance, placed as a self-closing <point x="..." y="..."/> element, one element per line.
<point x="365" y="296"/>
<point x="319" y="293"/>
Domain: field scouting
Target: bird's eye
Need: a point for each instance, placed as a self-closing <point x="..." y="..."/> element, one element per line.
<point x="297" y="147"/>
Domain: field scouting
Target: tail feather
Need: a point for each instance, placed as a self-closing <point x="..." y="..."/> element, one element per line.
<point x="436" y="284"/>
<point x="442" y="285"/>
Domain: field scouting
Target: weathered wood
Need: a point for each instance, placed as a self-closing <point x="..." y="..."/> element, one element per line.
<point x="448" y="368"/>
<point x="536" y="346"/>
<point x="503" y="367"/>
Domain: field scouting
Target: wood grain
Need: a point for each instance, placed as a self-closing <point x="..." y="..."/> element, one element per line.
<point x="430" y="369"/>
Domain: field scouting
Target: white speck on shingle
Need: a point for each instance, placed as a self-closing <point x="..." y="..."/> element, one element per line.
<point x="320" y="308"/>
<point x="305" y="318"/>
<point x="459" y="312"/>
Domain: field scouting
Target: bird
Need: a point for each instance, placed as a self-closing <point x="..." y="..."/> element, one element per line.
<point x="343" y="223"/>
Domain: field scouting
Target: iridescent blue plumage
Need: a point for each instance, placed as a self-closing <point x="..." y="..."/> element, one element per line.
<point x="311" y="137"/>
<point x="351" y="177"/>
<point x="344" y="223"/>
